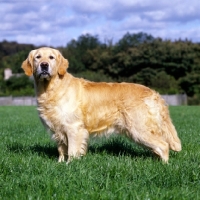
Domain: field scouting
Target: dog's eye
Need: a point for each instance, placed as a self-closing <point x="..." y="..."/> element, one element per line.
<point x="51" y="57"/>
<point x="38" y="56"/>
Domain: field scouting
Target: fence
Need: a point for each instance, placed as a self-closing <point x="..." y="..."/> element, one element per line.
<point x="175" y="100"/>
<point x="18" y="101"/>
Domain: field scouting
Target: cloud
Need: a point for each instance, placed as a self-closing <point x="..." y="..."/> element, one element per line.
<point x="90" y="7"/>
<point x="57" y="22"/>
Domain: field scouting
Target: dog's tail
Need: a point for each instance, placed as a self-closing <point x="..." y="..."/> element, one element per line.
<point x="159" y="112"/>
<point x="169" y="131"/>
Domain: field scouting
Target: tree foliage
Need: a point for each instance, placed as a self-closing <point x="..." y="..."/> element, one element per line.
<point x="17" y="86"/>
<point x="166" y="66"/>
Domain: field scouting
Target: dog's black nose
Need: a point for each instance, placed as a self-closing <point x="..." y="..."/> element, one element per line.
<point x="44" y="66"/>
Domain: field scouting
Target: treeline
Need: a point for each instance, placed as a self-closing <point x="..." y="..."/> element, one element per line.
<point x="169" y="67"/>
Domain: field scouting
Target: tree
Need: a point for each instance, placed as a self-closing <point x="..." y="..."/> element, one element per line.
<point x="131" y="40"/>
<point x="22" y="85"/>
<point x="77" y="52"/>
<point x="190" y="84"/>
<point x="14" y="61"/>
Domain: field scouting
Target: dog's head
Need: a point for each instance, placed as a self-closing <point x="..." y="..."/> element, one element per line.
<point x="45" y="63"/>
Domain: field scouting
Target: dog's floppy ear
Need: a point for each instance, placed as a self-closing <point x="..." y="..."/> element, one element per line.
<point x="27" y="65"/>
<point x="63" y="65"/>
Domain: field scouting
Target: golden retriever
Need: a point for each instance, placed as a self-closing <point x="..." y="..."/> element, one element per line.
<point x="74" y="108"/>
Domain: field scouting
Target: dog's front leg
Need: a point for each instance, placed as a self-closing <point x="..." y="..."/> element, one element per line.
<point x="62" y="150"/>
<point x="62" y="143"/>
<point x="77" y="143"/>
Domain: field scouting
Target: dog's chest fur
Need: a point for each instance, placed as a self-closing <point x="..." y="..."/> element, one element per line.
<point x="57" y="113"/>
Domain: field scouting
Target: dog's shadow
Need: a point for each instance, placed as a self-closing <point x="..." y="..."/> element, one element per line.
<point x="118" y="147"/>
<point x="113" y="147"/>
<point x="47" y="150"/>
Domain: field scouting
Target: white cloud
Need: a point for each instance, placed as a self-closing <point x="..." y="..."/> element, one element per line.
<point x="57" y="22"/>
<point x="91" y="6"/>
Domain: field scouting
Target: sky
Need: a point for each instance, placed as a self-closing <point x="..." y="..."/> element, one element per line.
<point x="56" y="22"/>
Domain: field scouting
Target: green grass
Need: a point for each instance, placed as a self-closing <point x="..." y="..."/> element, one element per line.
<point x="114" y="168"/>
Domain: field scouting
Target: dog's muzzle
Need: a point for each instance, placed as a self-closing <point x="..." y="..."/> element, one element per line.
<point x="44" y="70"/>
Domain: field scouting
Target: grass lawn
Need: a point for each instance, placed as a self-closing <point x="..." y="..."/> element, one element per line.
<point x="114" y="168"/>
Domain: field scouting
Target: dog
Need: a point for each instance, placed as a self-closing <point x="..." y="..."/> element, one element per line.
<point x="74" y="108"/>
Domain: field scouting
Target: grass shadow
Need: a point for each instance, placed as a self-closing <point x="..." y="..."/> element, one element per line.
<point x="114" y="146"/>
<point x="47" y="150"/>
<point x="117" y="146"/>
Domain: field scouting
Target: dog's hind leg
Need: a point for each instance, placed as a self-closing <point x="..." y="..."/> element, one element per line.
<point x="160" y="148"/>
<point x="152" y="141"/>
<point x="157" y="145"/>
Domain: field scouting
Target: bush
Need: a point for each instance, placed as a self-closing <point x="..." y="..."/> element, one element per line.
<point x="18" y="86"/>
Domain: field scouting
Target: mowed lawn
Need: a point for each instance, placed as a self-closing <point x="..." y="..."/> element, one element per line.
<point x="114" y="168"/>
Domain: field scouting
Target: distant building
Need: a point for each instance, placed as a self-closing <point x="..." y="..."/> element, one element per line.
<point x="8" y="73"/>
